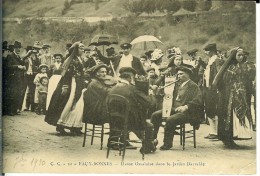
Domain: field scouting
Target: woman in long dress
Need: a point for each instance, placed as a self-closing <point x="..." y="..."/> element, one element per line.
<point x="235" y="120"/>
<point x="67" y="94"/>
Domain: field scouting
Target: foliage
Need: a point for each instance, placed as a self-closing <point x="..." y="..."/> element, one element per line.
<point x="189" y="5"/>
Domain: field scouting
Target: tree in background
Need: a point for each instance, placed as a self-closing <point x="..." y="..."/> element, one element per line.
<point x="189" y="5"/>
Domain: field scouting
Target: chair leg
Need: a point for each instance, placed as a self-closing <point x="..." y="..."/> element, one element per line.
<point x="194" y="136"/>
<point x="108" y="147"/>
<point x="183" y="134"/>
<point x="93" y="133"/>
<point x="102" y="135"/>
<point x="124" y="138"/>
<point x="85" y="135"/>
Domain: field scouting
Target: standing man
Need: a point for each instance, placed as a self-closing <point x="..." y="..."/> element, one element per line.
<point x="211" y="95"/>
<point x="32" y="64"/>
<point x="46" y="57"/>
<point x="15" y="80"/>
<point x="128" y="60"/>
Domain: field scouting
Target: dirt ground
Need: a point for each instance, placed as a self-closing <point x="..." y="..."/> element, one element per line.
<point x="31" y="145"/>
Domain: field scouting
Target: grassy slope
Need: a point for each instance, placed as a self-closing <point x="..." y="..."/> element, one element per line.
<point x="53" y="8"/>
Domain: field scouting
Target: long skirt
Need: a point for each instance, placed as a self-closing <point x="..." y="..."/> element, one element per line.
<point x="72" y="114"/>
<point x="239" y="131"/>
<point x="53" y="83"/>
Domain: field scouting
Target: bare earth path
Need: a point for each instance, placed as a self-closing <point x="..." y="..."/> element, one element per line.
<point x="31" y="145"/>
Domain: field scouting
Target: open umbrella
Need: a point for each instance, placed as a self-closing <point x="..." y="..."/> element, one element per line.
<point x="145" y="39"/>
<point x="103" y="39"/>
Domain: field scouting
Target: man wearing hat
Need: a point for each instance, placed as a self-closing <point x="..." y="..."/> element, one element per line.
<point x="15" y="80"/>
<point x="95" y="95"/>
<point x="197" y="64"/>
<point x="187" y="107"/>
<point x="56" y="68"/>
<point x="32" y="64"/>
<point x="46" y="57"/>
<point x="211" y="95"/>
<point x="128" y="60"/>
<point x="139" y="103"/>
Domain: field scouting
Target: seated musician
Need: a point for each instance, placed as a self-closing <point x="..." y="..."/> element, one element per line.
<point x="139" y="103"/>
<point x="186" y="107"/>
<point x="95" y="95"/>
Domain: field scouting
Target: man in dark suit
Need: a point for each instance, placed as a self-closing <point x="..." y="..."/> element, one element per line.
<point x="139" y="103"/>
<point x="31" y="63"/>
<point x="186" y="108"/>
<point x="15" y="79"/>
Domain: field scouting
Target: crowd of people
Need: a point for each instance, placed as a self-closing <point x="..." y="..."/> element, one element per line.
<point x="70" y="89"/>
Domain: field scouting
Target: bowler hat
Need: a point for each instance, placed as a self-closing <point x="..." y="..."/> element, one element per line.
<point x="185" y="69"/>
<point x="211" y="47"/>
<point x="17" y="44"/>
<point x="127" y="70"/>
<point x="125" y="45"/>
<point x="5" y="45"/>
<point x="192" y="51"/>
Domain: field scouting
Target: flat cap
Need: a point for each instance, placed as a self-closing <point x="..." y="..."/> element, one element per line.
<point x="192" y="51"/>
<point x="126" y="46"/>
<point x="185" y="69"/>
<point x="127" y="70"/>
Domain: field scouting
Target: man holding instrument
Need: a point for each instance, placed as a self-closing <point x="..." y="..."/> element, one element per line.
<point x="186" y="107"/>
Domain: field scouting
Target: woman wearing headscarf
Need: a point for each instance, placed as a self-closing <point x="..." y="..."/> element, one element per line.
<point x="235" y="83"/>
<point x="67" y="93"/>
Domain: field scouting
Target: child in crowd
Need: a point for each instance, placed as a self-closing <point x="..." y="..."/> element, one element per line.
<point x="43" y="73"/>
<point x="43" y="91"/>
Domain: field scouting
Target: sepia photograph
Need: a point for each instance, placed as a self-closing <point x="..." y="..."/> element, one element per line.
<point x="129" y="87"/>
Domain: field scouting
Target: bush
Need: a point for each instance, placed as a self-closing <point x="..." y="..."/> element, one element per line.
<point x="200" y="39"/>
<point x="189" y="5"/>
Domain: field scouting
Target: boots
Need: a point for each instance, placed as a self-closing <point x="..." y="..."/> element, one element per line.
<point x="167" y="141"/>
<point x="149" y="145"/>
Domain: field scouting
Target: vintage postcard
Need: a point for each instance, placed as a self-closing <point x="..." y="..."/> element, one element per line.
<point x="182" y="72"/>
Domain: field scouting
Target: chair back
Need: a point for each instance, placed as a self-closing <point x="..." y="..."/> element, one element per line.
<point x="118" y="110"/>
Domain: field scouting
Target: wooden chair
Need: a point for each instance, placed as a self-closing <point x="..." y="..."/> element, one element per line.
<point x="97" y="130"/>
<point x="180" y="130"/>
<point x="118" y="110"/>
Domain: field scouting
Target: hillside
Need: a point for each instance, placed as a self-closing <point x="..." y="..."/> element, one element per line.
<point x="53" y="8"/>
<point x="228" y="29"/>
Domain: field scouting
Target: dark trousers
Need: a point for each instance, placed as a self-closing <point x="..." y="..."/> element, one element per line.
<point x="42" y="103"/>
<point x="146" y="134"/>
<point x="31" y="91"/>
<point x="13" y="95"/>
<point x="171" y="122"/>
